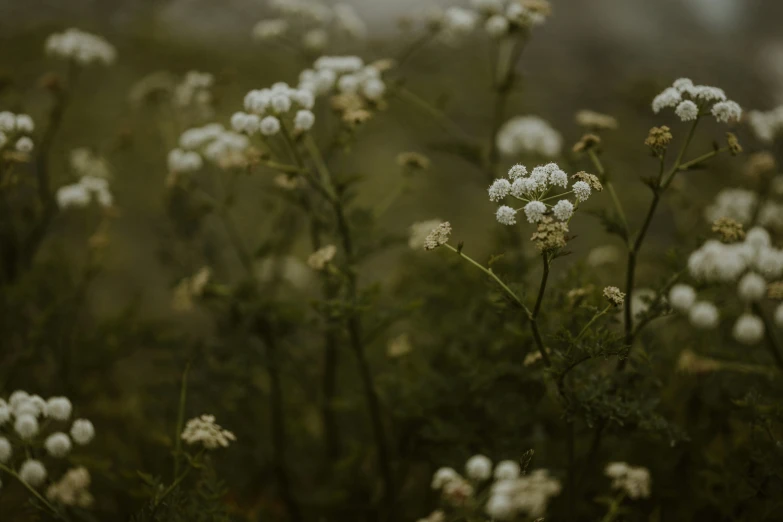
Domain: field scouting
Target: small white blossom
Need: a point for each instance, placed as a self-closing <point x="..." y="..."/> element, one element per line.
<point x="517" y="171"/>
<point x="682" y="297"/>
<point x="5" y="450"/>
<point x="82" y="432"/>
<point x="670" y="97"/>
<point x="26" y="426"/>
<point x="270" y="126"/>
<point x="558" y="178"/>
<point x="687" y="110"/>
<point x="749" y="329"/>
<point x="58" y="408"/>
<point x="563" y="210"/>
<point x="32" y="472"/>
<point x="534" y="211"/>
<point x="727" y="111"/>
<point x="704" y="315"/>
<point x="24" y="124"/>
<point x="506" y="215"/>
<point x="634" y="481"/>
<point x="304" y="120"/>
<point x="496" y="26"/>
<point x="507" y="470"/>
<point x="581" y="190"/>
<point x="24" y="144"/>
<point x="499" y="189"/>
<point x="478" y="467"/>
<point x="443" y="476"/>
<point x="752" y="287"/>
<point x="528" y="135"/>
<point x="58" y="445"/>
<point x="205" y="431"/>
<point x="270" y="29"/>
<point x="82" y="47"/>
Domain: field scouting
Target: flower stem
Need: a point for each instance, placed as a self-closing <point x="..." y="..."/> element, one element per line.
<point x="33" y="491"/>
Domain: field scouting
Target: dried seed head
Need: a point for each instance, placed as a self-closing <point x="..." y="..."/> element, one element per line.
<point x="729" y="230"/>
<point x="356" y="117"/>
<point x="587" y="142"/>
<point x="590" y="179"/>
<point x="413" y="161"/>
<point x="691" y="362"/>
<point x="550" y="234"/>
<point x="658" y="139"/>
<point x="595" y="120"/>
<point x="614" y="295"/>
<point x="733" y="143"/>
<point x="439" y="236"/>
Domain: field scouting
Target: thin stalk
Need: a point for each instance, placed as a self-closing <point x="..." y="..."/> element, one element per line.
<point x="591" y="321"/>
<point x="537" y="309"/>
<point x="279" y="437"/>
<point x="610" y="187"/>
<point x="446" y="123"/>
<point x="354" y="326"/>
<point x="183" y="393"/>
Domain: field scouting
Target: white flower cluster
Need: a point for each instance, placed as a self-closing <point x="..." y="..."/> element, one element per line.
<point x="528" y="135"/>
<point x="511" y="494"/>
<point x="346" y="74"/>
<point x="690" y="101"/>
<point x="86" y="163"/>
<point x="195" y="89"/>
<point x="268" y="110"/>
<point x="497" y="17"/>
<point x="633" y="481"/>
<point x="34" y="422"/>
<point x="749" y="264"/>
<point x="419" y="232"/>
<point x="766" y="125"/>
<point x="319" y="21"/>
<point x="740" y="204"/>
<point x="15" y="129"/>
<point x="81" y="193"/>
<point x="81" y="47"/>
<point x="72" y="489"/>
<point x="319" y="259"/>
<point x="533" y="190"/>
<point x="205" y="431"/>
<point x="212" y="142"/>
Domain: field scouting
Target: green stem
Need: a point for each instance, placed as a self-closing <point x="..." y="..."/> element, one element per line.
<point x="33" y="491"/>
<point x="772" y="341"/>
<point x="591" y="321"/>
<point x="537" y="308"/>
<point x="610" y="187"/>
<point x="614" y="508"/>
<point x="183" y="392"/>
<point x="446" y="123"/>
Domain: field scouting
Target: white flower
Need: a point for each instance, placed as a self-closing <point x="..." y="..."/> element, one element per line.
<point x="82" y="47"/>
<point x="373" y="89"/>
<point x="757" y="237"/>
<point x="458" y="21"/>
<point x="581" y="190"/>
<point x="58" y="408"/>
<point x="7" y="121"/>
<point x="707" y="93"/>
<point x="507" y="470"/>
<point x="506" y="215"/>
<point x="534" y="211"/>
<point x="184" y="161"/>
<point x="24" y="144"/>
<point x="683" y="84"/>
<point x="315" y="39"/>
<point x="540" y="175"/>
<point x="499" y="189"/>
<point x="496" y="26"/>
<point x="270" y="29"/>
<point x="24" y="124"/>
<point x="517" y="171"/>
<point x="687" y="110"/>
<point x="558" y="178"/>
<point x="349" y="83"/>
<point x="563" y="210"/>
<point x="478" y="467"/>
<point x="523" y="187"/>
<point x="438" y="236"/>
<point x="748" y="329"/>
<point x="243" y="122"/>
<point x="682" y="297"/>
<point x="419" y="232"/>
<point x="670" y="97"/>
<point x="500" y="507"/>
<point x="528" y="135"/>
<point x="82" y="432"/>
<point x="26" y="426"/>
<point x="205" y="431"/>
<point x="727" y="111"/>
<point x="304" y="120"/>
<point x="443" y="476"/>
<point x="58" y="445"/>
<point x="733" y="203"/>
<point x="304" y="98"/>
<point x="270" y="126"/>
<point x="319" y="259"/>
<point x="5" y="450"/>
<point x="704" y="315"/>
<point x="752" y="287"/>
<point x="32" y="472"/>
<point x="280" y="103"/>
